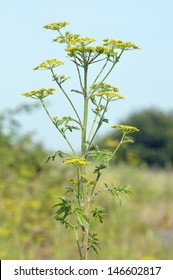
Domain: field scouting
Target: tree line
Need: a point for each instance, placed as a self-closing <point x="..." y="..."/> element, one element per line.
<point x="153" y="144"/>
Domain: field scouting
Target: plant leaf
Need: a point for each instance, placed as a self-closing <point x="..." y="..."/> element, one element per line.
<point x="83" y="220"/>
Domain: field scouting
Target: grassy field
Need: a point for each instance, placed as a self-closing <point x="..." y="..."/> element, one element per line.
<point x="141" y="228"/>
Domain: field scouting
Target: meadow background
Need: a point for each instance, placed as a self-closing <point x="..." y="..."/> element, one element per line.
<point x="141" y="228"/>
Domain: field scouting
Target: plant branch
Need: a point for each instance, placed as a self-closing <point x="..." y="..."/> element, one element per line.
<point x="78" y="244"/>
<point x="113" y="65"/>
<point x="66" y="95"/>
<point x="100" y="73"/>
<point x="118" y="146"/>
<point x="79" y="74"/>
<point x="47" y="112"/>
<point x="99" y="125"/>
<point x="94" y="121"/>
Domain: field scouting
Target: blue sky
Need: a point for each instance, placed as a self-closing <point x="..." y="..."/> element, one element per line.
<point x="144" y="77"/>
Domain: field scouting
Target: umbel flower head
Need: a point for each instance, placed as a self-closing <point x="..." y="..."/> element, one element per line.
<point x="110" y="95"/>
<point x="82" y="41"/>
<point x="103" y="87"/>
<point x="56" y="25"/>
<point x="49" y="64"/>
<point x="76" y="160"/>
<point x="118" y="44"/>
<point x="126" y="129"/>
<point x="40" y="93"/>
<point x="106" y="91"/>
<point x="67" y="38"/>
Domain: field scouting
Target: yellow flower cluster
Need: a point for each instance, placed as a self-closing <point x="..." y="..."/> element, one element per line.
<point x="91" y="182"/>
<point x="74" y="50"/>
<point x="76" y="160"/>
<point x="75" y="181"/>
<point x="118" y="44"/>
<point x="40" y="94"/>
<point x="82" y="41"/>
<point x="104" y="87"/>
<point x="79" y="49"/>
<point x="110" y="94"/>
<point x="49" y="64"/>
<point x="125" y="128"/>
<point x="105" y="50"/>
<point x="67" y="38"/>
<point x="56" y="25"/>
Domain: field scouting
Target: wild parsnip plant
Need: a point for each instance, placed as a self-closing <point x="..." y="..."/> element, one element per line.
<point x="78" y="206"/>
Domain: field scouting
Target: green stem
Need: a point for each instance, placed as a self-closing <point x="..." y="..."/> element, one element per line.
<point x="78" y="186"/>
<point x="85" y="228"/>
<point x="99" y="125"/>
<point x="113" y="65"/>
<point x="47" y="112"/>
<point x="94" y="121"/>
<point x="85" y="114"/>
<point x="79" y="74"/>
<point x="84" y="130"/>
<point x="78" y="244"/>
<point x="95" y="184"/>
<point x="99" y="74"/>
<point x="66" y="95"/>
<point x="118" y="146"/>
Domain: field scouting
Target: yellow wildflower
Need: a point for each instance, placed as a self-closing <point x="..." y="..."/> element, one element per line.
<point x="100" y="87"/>
<point x="104" y="50"/>
<point x="56" y="25"/>
<point x="83" y="41"/>
<point x="118" y="44"/>
<point x="110" y="94"/>
<point x="82" y="47"/>
<point x="40" y="94"/>
<point x="91" y="182"/>
<point x="76" y="160"/>
<point x="49" y="64"/>
<point x="67" y="38"/>
<point x="74" y="50"/>
<point x="125" y="128"/>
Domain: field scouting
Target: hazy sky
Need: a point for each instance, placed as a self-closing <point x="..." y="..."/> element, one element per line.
<point x="144" y="77"/>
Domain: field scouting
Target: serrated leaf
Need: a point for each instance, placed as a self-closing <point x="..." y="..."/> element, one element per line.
<point x="93" y="242"/>
<point x="117" y="191"/>
<point x="98" y="214"/>
<point x="53" y="156"/>
<point x="64" y="209"/>
<point x="93" y="100"/>
<point x="94" y="249"/>
<point x="102" y="156"/>
<point x="71" y="128"/>
<point x="83" y="220"/>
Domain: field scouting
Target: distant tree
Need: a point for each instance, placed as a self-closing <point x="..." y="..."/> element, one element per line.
<point x="153" y="145"/>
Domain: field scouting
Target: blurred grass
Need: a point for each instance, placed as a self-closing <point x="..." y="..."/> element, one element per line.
<point x="142" y="228"/>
